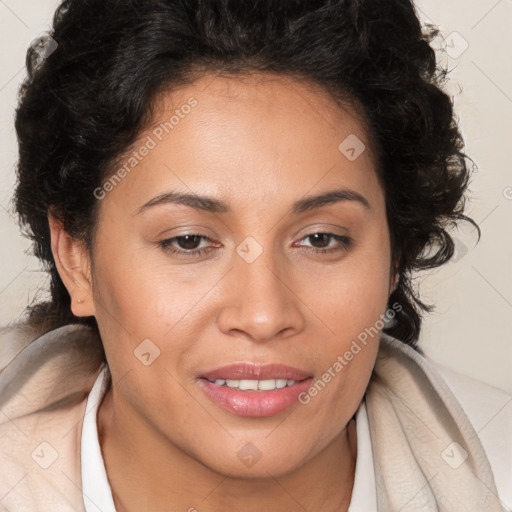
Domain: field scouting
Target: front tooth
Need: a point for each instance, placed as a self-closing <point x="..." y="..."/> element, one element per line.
<point x="247" y="384"/>
<point x="232" y="383"/>
<point x="267" y="385"/>
<point x="280" y="383"/>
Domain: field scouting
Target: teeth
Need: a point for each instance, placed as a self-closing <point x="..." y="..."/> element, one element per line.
<point x="267" y="385"/>
<point x="255" y="385"/>
<point x="247" y="384"/>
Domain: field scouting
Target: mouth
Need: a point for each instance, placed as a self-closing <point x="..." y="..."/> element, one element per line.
<point x="247" y="389"/>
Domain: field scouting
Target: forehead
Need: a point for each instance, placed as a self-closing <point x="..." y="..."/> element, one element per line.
<point x="261" y="104"/>
<point x="238" y="136"/>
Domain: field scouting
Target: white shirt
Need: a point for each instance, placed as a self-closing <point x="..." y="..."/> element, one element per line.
<point x="95" y="486"/>
<point x="98" y="495"/>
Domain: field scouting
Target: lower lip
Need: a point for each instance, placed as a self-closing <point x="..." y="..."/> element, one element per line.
<point x="255" y="403"/>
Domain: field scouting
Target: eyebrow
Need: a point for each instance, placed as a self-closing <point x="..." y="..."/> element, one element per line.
<point x="213" y="205"/>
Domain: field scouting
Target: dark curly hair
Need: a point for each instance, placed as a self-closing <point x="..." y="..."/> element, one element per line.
<point x="86" y="102"/>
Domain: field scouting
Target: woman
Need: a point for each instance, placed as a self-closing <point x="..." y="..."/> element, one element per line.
<point x="231" y="198"/>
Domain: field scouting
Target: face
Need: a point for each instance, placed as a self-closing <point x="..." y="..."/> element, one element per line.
<point x="258" y="273"/>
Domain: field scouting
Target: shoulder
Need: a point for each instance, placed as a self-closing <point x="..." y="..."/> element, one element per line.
<point x="50" y="371"/>
<point x="475" y="406"/>
<point x="13" y="338"/>
<point x="44" y="385"/>
<point x="489" y="409"/>
<point x="40" y="460"/>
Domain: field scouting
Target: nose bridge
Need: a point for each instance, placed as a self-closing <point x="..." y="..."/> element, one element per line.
<point x="259" y="278"/>
<point x="261" y="303"/>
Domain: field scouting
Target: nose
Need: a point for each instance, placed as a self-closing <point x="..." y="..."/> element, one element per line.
<point x="261" y="304"/>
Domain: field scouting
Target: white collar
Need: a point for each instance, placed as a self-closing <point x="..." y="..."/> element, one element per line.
<point x="95" y="486"/>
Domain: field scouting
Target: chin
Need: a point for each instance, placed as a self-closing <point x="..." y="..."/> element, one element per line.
<point x="254" y="460"/>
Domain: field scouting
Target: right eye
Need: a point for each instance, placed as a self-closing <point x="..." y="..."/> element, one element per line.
<point x="188" y="243"/>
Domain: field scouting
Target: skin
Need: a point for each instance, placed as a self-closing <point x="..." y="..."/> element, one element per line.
<point x="259" y="143"/>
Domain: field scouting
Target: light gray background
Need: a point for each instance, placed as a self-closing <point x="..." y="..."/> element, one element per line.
<point x="470" y="331"/>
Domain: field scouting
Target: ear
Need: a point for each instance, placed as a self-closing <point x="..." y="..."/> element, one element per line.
<point x="73" y="265"/>
<point x="393" y="282"/>
<point x="393" y="278"/>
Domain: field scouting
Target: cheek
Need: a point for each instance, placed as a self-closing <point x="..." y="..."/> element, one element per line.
<point x="351" y="303"/>
<point x="144" y="296"/>
<point x="351" y="296"/>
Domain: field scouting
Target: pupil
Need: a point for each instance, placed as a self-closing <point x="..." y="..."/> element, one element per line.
<point x="322" y="237"/>
<point x="186" y="241"/>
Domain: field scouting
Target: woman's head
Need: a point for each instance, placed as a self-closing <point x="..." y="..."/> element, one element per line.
<point x="98" y="96"/>
<point x="255" y="286"/>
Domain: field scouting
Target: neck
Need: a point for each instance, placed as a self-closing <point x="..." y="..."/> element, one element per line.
<point x="148" y="472"/>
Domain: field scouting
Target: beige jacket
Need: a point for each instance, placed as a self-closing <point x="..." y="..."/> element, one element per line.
<point x="441" y="441"/>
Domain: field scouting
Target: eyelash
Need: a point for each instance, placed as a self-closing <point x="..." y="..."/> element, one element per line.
<point x="344" y="241"/>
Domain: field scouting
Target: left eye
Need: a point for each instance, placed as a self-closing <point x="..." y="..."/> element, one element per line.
<point x="323" y="240"/>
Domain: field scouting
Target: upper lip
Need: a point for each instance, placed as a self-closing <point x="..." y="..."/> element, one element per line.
<point x="252" y="371"/>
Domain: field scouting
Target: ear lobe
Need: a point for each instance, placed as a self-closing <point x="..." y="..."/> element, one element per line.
<point x="394" y="284"/>
<point x="393" y="281"/>
<point x="73" y="264"/>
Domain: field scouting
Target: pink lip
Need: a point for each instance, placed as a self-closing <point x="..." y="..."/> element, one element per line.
<point x="255" y="403"/>
<point x="253" y="371"/>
